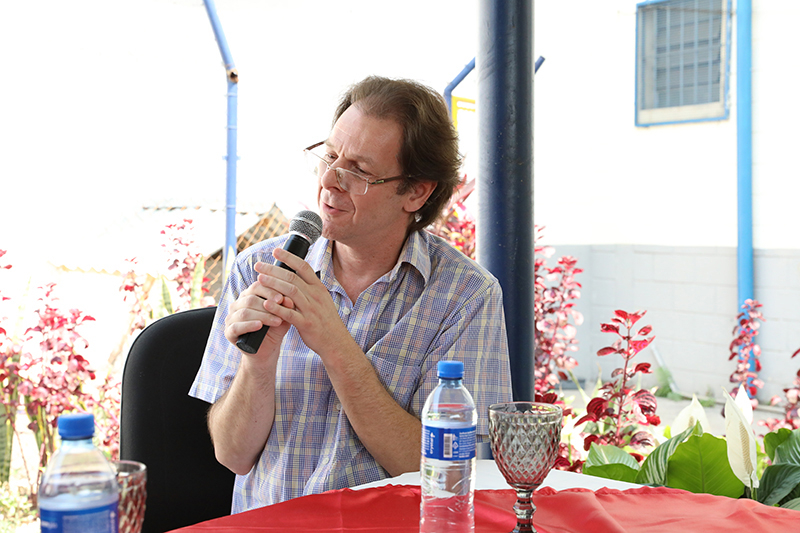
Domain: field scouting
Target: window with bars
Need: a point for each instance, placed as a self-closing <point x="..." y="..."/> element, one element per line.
<point x="682" y="50"/>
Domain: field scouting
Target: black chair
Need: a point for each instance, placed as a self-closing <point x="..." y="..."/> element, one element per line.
<point x="165" y="428"/>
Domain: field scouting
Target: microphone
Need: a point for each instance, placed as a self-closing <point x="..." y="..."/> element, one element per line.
<point x="304" y="230"/>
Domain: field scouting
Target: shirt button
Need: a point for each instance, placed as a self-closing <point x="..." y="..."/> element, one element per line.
<point x="346" y="310"/>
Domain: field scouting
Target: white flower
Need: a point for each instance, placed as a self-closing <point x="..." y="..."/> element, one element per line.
<point x="741" y="441"/>
<point x="743" y="401"/>
<point x="689" y="416"/>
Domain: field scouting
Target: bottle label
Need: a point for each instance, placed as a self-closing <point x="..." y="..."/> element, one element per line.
<point x="101" y="519"/>
<point x="448" y="444"/>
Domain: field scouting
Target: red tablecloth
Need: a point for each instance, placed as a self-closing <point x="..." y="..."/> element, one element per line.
<point x="395" y="508"/>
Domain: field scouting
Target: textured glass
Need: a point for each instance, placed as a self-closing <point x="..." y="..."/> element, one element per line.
<point x="132" y="480"/>
<point x="524" y="437"/>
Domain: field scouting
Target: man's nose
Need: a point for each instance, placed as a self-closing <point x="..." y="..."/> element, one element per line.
<point x="328" y="179"/>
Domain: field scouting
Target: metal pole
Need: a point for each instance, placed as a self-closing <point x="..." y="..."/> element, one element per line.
<point x="505" y="182"/>
<point x="448" y="91"/>
<point x="232" y="77"/>
<point x="744" y="141"/>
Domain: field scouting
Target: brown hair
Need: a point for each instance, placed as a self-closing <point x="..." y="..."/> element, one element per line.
<point x="429" y="149"/>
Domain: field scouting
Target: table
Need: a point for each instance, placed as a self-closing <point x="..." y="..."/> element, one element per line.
<point x="569" y="503"/>
<point x="489" y="477"/>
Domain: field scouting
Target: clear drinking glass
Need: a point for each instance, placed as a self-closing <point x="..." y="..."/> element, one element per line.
<point x="132" y="480"/>
<point x="524" y="437"/>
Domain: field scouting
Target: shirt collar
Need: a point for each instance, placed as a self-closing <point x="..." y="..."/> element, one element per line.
<point x="414" y="253"/>
<point x="320" y="258"/>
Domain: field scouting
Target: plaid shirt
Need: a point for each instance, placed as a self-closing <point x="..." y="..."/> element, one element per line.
<point x="435" y="304"/>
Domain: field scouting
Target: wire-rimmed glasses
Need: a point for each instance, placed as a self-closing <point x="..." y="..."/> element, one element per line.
<point x="351" y="181"/>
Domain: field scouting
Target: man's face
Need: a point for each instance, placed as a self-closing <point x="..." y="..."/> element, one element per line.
<point x="370" y="146"/>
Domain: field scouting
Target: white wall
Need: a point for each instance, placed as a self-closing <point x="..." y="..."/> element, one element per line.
<point x="615" y="183"/>
<point x="664" y="185"/>
<point x="776" y="175"/>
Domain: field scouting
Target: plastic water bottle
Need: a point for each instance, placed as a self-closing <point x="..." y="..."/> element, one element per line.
<point x="447" y="468"/>
<point x="79" y="491"/>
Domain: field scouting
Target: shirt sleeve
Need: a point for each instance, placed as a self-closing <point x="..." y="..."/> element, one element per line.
<point x="476" y="335"/>
<point x="221" y="358"/>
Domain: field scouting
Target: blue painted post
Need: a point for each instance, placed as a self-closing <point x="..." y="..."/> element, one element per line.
<point x="232" y="76"/>
<point x="744" y="142"/>
<point x="505" y="175"/>
<point x="448" y="91"/>
<point x="230" y="182"/>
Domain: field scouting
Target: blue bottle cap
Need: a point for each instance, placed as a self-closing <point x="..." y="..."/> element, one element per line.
<point x="450" y="369"/>
<point x="76" y="426"/>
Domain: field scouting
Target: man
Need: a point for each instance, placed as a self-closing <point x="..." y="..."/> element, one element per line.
<point x="334" y="394"/>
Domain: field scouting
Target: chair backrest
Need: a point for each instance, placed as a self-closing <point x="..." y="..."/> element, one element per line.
<point x="165" y="428"/>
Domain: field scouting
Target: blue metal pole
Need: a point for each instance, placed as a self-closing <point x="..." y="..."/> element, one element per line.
<point x="448" y="91"/>
<point x="538" y="64"/>
<point x="232" y="76"/>
<point x="230" y="181"/>
<point x="744" y="143"/>
<point x="505" y="180"/>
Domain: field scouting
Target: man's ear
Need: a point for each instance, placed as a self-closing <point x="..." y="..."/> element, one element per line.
<point x="418" y="195"/>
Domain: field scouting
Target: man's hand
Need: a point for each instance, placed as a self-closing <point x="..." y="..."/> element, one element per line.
<point x="299" y="298"/>
<point x="249" y="313"/>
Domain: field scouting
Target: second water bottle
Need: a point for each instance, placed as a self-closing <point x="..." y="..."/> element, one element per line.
<point x="447" y="467"/>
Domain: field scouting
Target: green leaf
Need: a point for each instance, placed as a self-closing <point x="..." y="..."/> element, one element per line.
<point x="197" y="283"/>
<point x="654" y="468"/>
<point x="795" y="493"/>
<point x="614" y="471"/>
<point x="166" y="298"/>
<point x="763" y="460"/>
<point x="606" y="455"/>
<point x="789" y="450"/>
<point x="700" y="465"/>
<point x="6" y="444"/>
<point x="778" y="482"/>
<point x="774" y="439"/>
<point x="792" y="504"/>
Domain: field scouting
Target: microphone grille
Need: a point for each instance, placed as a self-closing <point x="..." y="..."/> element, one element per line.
<point x="307" y="224"/>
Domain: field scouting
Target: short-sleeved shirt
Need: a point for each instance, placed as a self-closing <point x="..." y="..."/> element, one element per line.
<point x="435" y="304"/>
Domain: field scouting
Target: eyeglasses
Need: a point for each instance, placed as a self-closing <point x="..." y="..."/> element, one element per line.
<point x="351" y="181"/>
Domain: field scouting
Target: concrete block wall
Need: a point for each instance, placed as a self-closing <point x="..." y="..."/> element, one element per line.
<point x="690" y="295"/>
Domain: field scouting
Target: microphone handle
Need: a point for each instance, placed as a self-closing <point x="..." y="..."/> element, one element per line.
<point x="251" y="342"/>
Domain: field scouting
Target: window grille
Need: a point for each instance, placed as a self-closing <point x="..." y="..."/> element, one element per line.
<point x="682" y="61"/>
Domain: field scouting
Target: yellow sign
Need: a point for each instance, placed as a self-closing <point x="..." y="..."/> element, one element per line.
<point x="461" y="104"/>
